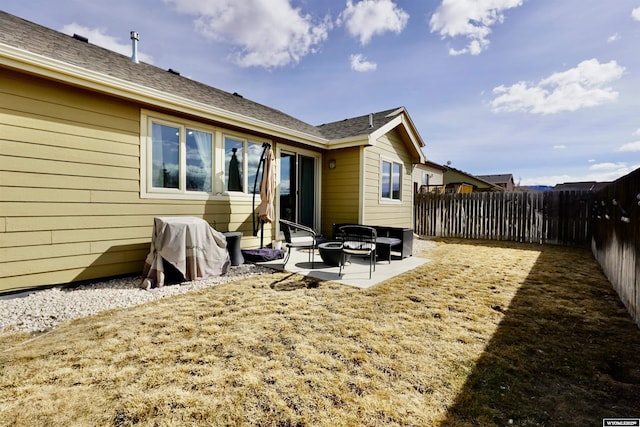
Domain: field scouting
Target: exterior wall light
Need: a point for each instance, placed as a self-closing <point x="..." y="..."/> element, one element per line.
<point x="332" y="163"/>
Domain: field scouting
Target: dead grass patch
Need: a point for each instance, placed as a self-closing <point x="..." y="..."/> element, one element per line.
<point x="485" y="333"/>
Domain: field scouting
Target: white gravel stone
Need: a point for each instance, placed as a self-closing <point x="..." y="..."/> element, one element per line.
<point x="41" y="310"/>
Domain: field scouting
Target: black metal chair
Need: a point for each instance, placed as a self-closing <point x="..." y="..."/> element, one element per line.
<point x="298" y="236"/>
<point x="359" y="240"/>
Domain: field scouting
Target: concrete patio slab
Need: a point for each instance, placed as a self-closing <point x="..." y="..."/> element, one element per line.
<point x="355" y="273"/>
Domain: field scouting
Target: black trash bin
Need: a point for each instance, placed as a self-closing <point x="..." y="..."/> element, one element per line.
<point x="233" y="247"/>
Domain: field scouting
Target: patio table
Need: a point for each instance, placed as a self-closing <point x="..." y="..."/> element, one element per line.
<point x="384" y="245"/>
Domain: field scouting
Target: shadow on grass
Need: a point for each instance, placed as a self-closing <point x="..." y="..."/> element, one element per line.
<point x="565" y="353"/>
<point x="294" y="282"/>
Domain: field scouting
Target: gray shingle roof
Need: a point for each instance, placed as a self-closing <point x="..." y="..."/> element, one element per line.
<point x="357" y="126"/>
<point x="581" y="186"/>
<point x="35" y="38"/>
<point x="496" y="178"/>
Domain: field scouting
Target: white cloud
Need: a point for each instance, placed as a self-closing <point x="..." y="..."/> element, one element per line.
<point x="372" y="17"/>
<point x="608" y="166"/>
<point x="579" y="87"/>
<point x="360" y="63"/>
<point x="636" y="132"/>
<point x="559" y="147"/>
<point x="266" y="33"/>
<point x="635" y="13"/>
<point x="614" y="38"/>
<point x="98" y="37"/>
<point x="454" y="52"/>
<point x="631" y="146"/>
<point x="472" y="19"/>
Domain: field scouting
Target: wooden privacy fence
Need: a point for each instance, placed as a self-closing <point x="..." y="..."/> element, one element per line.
<point x="549" y="217"/>
<point x="616" y="236"/>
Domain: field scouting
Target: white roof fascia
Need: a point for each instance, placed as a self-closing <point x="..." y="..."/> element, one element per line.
<point x="351" y="141"/>
<point x="40" y="65"/>
<point x="417" y="142"/>
<point x="400" y="120"/>
<point x="373" y="136"/>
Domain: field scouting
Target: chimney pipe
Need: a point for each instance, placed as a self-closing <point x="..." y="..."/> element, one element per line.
<point x="134" y="46"/>
<point x="370" y="120"/>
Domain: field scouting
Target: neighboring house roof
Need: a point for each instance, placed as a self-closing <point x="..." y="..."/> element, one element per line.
<point x="432" y="165"/>
<point x="580" y="186"/>
<point x="468" y="179"/>
<point x="28" y="46"/>
<point x="496" y="178"/>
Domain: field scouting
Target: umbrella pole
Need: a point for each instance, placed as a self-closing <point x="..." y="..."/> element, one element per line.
<point x="261" y="234"/>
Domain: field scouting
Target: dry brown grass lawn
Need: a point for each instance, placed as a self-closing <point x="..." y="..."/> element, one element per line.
<point x="485" y="333"/>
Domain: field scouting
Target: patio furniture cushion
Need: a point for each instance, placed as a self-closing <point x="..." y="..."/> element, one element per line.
<point x="301" y="241"/>
<point x="262" y="255"/>
<point x="354" y="247"/>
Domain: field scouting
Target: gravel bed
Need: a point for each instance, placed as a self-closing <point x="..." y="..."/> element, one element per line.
<point x="41" y="310"/>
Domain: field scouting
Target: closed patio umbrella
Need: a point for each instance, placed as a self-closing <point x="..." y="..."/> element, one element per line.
<point x="266" y="211"/>
<point x="234" y="182"/>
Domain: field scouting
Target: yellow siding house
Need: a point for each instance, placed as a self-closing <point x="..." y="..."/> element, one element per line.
<point x="94" y="145"/>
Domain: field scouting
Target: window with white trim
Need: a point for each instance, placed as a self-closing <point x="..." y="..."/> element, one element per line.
<point x="181" y="158"/>
<point x="184" y="159"/>
<point x="391" y="180"/>
<point x="241" y="158"/>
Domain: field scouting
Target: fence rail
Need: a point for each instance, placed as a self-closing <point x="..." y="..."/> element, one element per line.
<point x="550" y="217"/>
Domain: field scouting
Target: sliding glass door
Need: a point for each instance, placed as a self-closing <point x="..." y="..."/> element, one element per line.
<point x="299" y="188"/>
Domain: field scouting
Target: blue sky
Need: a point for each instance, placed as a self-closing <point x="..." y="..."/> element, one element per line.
<point x="546" y="90"/>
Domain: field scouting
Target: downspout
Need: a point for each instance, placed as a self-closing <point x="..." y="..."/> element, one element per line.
<point x="361" y="186"/>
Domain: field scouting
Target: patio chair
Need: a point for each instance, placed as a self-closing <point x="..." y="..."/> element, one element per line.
<point x="359" y="240"/>
<point x="298" y="236"/>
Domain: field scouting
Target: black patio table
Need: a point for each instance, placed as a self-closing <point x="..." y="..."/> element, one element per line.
<point x="331" y="252"/>
<point x="384" y="245"/>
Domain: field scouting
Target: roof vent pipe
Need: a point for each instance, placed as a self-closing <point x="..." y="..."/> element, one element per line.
<point x="134" y="46"/>
<point x="370" y="120"/>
